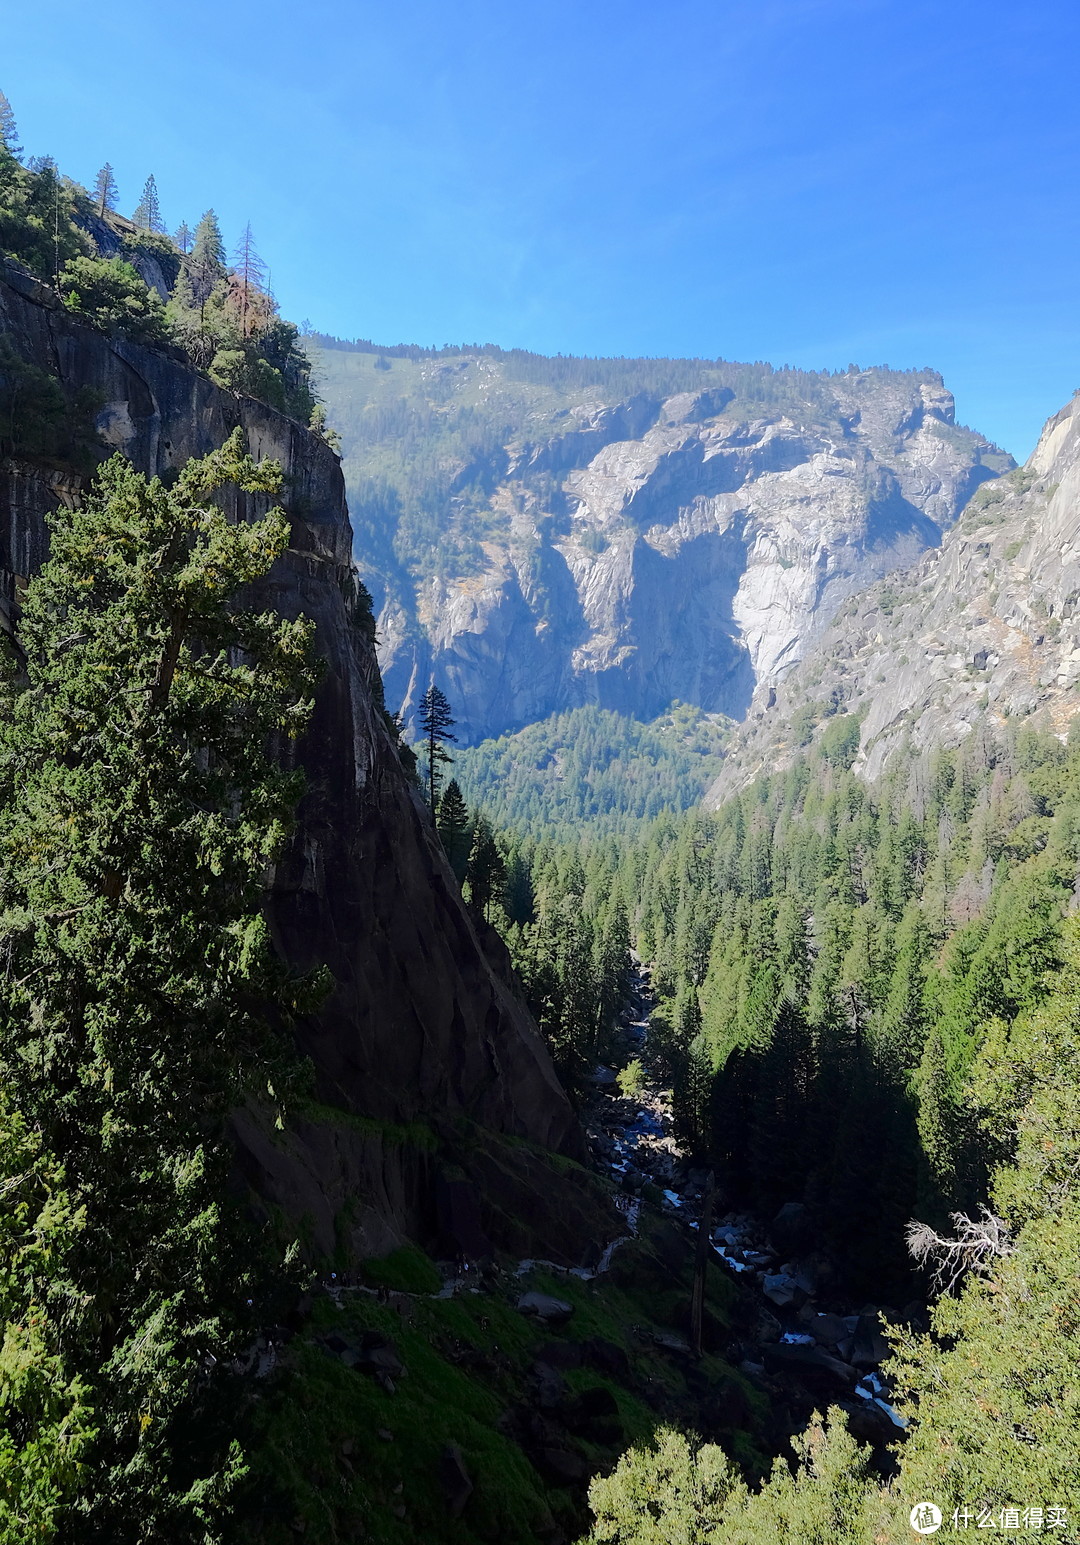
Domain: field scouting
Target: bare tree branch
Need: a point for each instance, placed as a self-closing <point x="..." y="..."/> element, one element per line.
<point x="978" y="1242"/>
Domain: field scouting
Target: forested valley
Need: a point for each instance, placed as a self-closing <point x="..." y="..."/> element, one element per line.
<point x="865" y="1004"/>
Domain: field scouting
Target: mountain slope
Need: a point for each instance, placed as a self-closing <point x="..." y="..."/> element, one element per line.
<point x="588" y="768"/>
<point x="987" y="626"/>
<point x="543" y="534"/>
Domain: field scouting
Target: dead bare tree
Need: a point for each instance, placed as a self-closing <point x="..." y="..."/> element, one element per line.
<point x="978" y="1242"/>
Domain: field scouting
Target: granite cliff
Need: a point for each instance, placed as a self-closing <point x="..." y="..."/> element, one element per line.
<point x="986" y="627"/>
<point x="628" y="551"/>
<point x="424" y="1056"/>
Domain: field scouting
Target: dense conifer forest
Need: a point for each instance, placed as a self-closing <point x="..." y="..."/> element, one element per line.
<point x="590" y="770"/>
<point x="866" y="1004"/>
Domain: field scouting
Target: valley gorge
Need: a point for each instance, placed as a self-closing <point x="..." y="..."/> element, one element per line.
<point x="598" y="1168"/>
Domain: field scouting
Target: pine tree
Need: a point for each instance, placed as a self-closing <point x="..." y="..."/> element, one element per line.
<point x="139" y="810"/>
<point x="183" y="238"/>
<point x="9" y="134"/>
<point x="105" y="190"/>
<point x="251" y="271"/>
<point x="939" y="1127"/>
<point x="455" y="828"/>
<point x="436" y="723"/>
<point x="204" y="267"/>
<point x="485" y="873"/>
<point x="148" y="210"/>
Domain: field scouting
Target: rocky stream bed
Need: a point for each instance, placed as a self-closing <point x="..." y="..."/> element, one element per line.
<point x="809" y="1343"/>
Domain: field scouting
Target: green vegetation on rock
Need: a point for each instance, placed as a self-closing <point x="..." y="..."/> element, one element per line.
<point x="108" y="272"/>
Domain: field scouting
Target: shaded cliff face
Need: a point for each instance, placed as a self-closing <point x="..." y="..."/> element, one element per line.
<point x="422" y="1040"/>
<point x="987" y="626"/>
<point x="630" y="553"/>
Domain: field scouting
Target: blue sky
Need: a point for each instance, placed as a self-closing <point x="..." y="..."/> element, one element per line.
<point x="804" y="181"/>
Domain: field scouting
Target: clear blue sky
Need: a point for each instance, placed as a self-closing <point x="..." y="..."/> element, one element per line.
<point x="803" y="181"/>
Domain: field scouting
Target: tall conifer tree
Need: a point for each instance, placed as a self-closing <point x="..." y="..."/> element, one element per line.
<point x="148" y="210"/>
<point x="105" y="190"/>
<point x="251" y="271"/>
<point x="455" y="828"/>
<point x="436" y="722"/>
<point x="139" y="810"/>
<point x="9" y="134"/>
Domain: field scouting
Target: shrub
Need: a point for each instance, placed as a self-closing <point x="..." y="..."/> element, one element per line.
<point x="109" y="295"/>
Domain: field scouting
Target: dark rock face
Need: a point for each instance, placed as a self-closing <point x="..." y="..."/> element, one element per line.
<point x="423" y="1035"/>
<point x="455" y="1480"/>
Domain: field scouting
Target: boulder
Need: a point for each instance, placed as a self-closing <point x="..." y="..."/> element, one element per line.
<point x="562" y="1354"/>
<point x="553" y="1311"/>
<point x="792" y="1230"/>
<point x="867" y="1422"/>
<point x="668" y="1341"/>
<point x="805" y="1277"/>
<point x="759" y="1258"/>
<point x="550" y="1386"/>
<point x="866" y="1347"/>
<point x="813" y="1365"/>
<point x="783" y="1291"/>
<point x="767" y="1327"/>
<point x="595" y="1415"/>
<point x="457" y="1487"/>
<point x="828" y="1329"/>
<point x="563" y="1466"/>
<point x="608" y="1358"/>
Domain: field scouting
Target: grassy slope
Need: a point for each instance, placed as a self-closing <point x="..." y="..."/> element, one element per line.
<point x="320" y="1461"/>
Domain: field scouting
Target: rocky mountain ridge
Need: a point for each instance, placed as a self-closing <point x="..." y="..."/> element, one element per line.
<point x="628" y="553"/>
<point x="985" y="628"/>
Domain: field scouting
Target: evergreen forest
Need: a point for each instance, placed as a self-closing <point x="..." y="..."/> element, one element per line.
<point x="866" y="1004"/>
